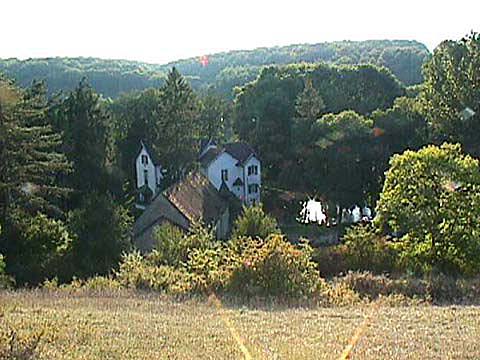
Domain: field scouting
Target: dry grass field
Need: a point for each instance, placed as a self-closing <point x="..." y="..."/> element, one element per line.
<point x="129" y="326"/>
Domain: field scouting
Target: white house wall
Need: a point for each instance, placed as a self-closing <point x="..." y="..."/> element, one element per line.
<point x="253" y="179"/>
<point x="224" y="161"/>
<point x="150" y="167"/>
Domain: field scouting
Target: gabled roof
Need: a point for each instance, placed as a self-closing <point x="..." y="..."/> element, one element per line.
<point x="160" y="208"/>
<point x="152" y="155"/>
<point x="238" y="150"/>
<point x="197" y="199"/>
<point x="209" y="156"/>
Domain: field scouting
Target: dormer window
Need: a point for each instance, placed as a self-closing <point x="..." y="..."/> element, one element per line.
<point x="144" y="159"/>
<point x="224" y="175"/>
<point x="252" y="170"/>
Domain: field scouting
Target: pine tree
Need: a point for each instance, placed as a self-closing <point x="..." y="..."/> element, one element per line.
<point x="29" y="159"/>
<point x="177" y="130"/>
<point x="85" y="123"/>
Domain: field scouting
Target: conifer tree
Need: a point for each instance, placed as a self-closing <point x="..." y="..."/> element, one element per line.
<point x="177" y="129"/>
<point x="29" y="159"/>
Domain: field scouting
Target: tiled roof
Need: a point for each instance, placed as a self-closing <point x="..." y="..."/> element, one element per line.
<point x="197" y="199"/>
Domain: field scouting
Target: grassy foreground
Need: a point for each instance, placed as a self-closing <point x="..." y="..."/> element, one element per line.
<point x="133" y="326"/>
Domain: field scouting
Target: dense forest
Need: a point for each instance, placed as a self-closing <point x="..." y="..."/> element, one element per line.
<point x="350" y="134"/>
<point x="223" y="72"/>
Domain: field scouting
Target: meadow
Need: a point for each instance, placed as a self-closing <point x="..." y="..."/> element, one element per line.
<point x="135" y="325"/>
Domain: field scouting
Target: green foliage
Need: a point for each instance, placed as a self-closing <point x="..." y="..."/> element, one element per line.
<point x="243" y="267"/>
<point x="225" y="71"/>
<point x="101" y="231"/>
<point x="29" y="162"/>
<point x="340" y="166"/>
<point x="173" y="246"/>
<point x="268" y="114"/>
<point x="367" y="251"/>
<point x="138" y="272"/>
<point x="274" y="267"/>
<point x="451" y="85"/>
<point x="86" y="126"/>
<point x="42" y="245"/>
<point x="432" y="198"/>
<point x="254" y="222"/>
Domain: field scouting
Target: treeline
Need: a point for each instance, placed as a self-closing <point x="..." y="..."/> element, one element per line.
<point x="224" y="71"/>
<point x="339" y="126"/>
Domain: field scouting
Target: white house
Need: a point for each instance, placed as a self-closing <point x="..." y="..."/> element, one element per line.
<point x="237" y="166"/>
<point x="149" y="175"/>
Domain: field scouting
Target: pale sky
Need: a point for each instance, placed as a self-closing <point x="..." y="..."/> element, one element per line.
<point x="159" y="31"/>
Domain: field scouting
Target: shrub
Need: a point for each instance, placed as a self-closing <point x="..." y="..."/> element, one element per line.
<point x="40" y="245"/>
<point x="365" y="250"/>
<point x="274" y="267"/>
<point x="211" y="268"/>
<point x="255" y="223"/>
<point x="173" y="246"/>
<point x="138" y="272"/>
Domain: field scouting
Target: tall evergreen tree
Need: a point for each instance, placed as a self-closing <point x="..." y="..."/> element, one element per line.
<point x="177" y="131"/>
<point x="30" y="195"/>
<point x="85" y="123"/>
<point x="29" y="161"/>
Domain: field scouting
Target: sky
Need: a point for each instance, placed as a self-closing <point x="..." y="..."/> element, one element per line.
<point x="158" y="31"/>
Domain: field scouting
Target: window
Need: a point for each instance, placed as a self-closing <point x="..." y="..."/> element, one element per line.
<point x="145" y="176"/>
<point x="253" y="188"/>
<point x="225" y="175"/>
<point x="144" y="159"/>
<point x="252" y="170"/>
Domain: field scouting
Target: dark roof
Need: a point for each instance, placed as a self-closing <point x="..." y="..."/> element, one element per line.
<point x="197" y="199"/>
<point x="153" y="156"/>
<point x="239" y="150"/>
<point x="238" y="182"/>
<point x="209" y="156"/>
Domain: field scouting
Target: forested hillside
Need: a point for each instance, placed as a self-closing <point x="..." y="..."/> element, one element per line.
<point x="223" y="72"/>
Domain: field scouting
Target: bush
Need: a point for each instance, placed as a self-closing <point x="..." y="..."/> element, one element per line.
<point x="365" y="250"/>
<point x="173" y="246"/>
<point x="255" y="223"/>
<point x="138" y="272"/>
<point x="274" y="267"/>
<point x="39" y="247"/>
